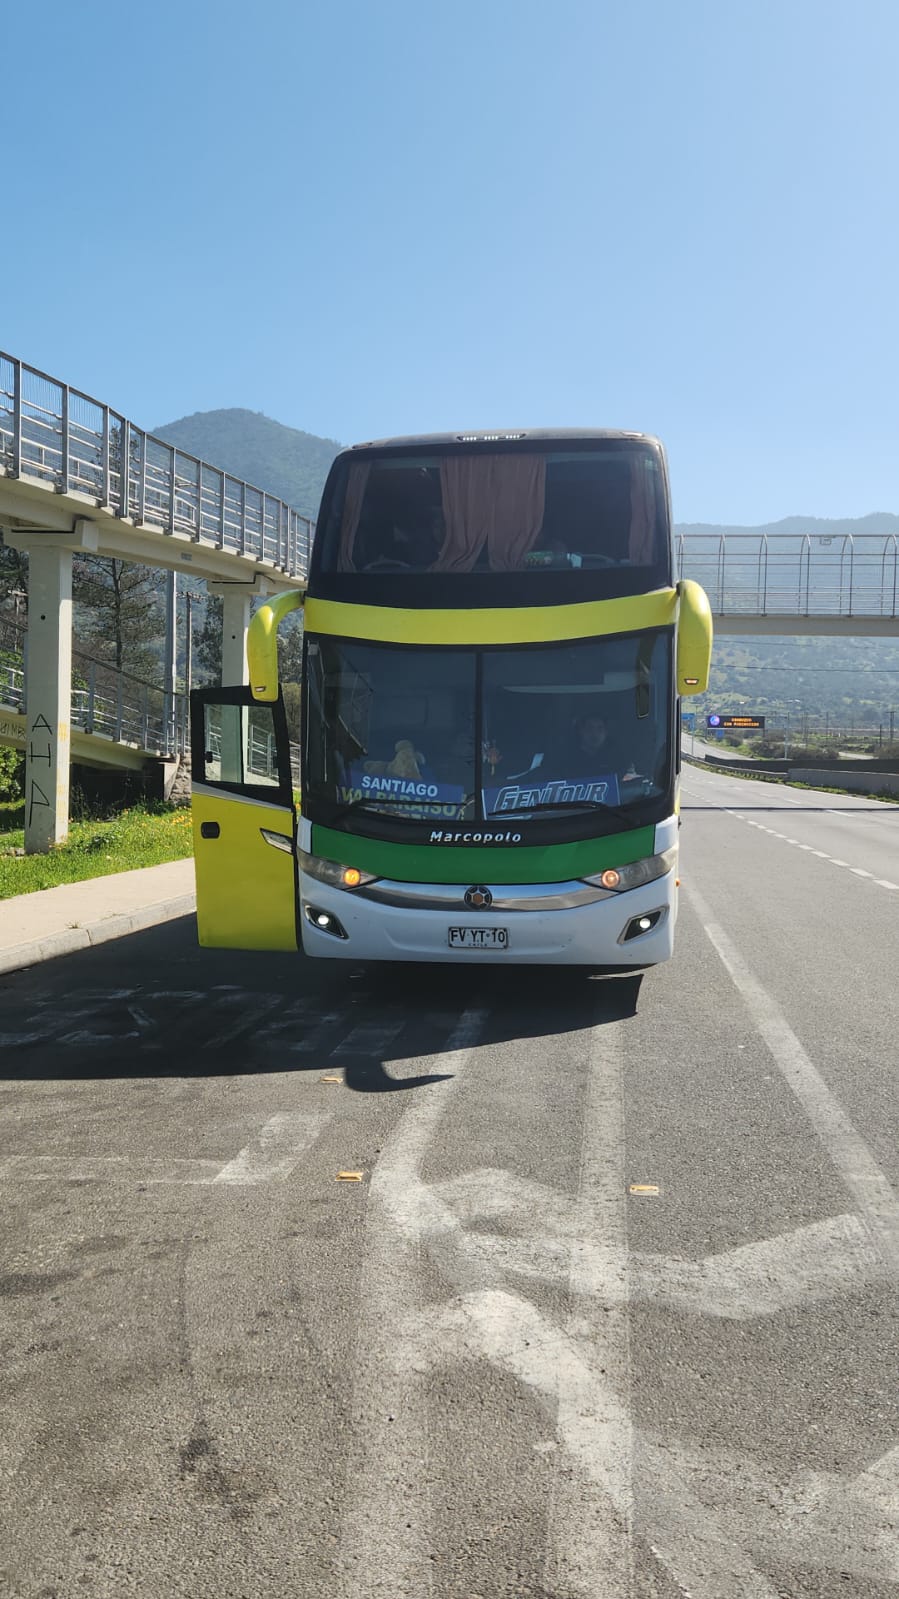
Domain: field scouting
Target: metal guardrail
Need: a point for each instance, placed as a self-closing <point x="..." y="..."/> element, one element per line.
<point x="112" y="704"/>
<point x="261" y="755"/>
<point x="123" y="708"/>
<point x="54" y="434"/>
<point x="808" y="574"/>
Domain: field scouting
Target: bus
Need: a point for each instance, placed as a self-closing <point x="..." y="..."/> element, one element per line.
<point x="487" y="763"/>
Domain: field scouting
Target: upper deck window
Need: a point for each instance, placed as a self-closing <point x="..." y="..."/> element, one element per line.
<point x="466" y="511"/>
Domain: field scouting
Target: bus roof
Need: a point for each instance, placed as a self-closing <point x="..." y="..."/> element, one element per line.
<point x="503" y="436"/>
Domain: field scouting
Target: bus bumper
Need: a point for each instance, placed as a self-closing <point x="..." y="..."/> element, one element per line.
<point x="594" y="934"/>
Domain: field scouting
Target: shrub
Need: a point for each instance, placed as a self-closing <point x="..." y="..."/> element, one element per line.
<point x="12" y="774"/>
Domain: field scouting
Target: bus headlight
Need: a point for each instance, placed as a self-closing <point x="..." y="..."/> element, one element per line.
<point x="618" y="879"/>
<point x="334" y="873"/>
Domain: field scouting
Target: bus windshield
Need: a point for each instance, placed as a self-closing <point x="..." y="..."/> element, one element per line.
<point x="521" y="510"/>
<point x="538" y="731"/>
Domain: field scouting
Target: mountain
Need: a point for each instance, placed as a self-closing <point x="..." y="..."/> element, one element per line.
<point x="279" y="459"/>
<point x="795" y="526"/>
<point x="841" y="682"/>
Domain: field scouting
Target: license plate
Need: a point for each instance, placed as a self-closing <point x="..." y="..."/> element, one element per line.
<point x="479" y="938"/>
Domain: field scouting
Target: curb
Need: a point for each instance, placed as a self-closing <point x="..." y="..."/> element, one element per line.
<point x="72" y="939"/>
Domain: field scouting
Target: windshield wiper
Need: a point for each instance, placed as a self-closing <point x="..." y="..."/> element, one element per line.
<point x="621" y="811"/>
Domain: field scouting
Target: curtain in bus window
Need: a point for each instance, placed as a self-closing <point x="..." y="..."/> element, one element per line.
<point x="641" y="543"/>
<point x="492" y="500"/>
<point x="357" y="483"/>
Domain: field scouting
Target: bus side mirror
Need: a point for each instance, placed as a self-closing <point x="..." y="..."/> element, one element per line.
<point x="694" y="638"/>
<point x="262" y="643"/>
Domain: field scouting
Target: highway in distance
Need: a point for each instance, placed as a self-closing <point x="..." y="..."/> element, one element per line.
<point x="410" y="1283"/>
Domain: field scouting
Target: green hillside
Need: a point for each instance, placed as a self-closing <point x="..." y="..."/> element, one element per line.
<point x="279" y="459"/>
<point x="838" y="681"/>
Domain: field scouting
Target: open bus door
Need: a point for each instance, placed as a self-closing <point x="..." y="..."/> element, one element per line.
<point x="244" y="821"/>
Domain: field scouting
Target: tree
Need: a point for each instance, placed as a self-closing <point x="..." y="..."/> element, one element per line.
<point x="13" y="572"/>
<point x="121" y="620"/>
<point x="290" y="649"/>
<point x="208" y="642"/>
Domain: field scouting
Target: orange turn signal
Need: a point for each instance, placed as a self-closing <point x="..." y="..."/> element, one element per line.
<point x="610" y="878"/>
<point x="352" y="877"/>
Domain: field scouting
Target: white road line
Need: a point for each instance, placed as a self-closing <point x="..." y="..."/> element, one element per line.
<point x="282" y="1141"/>
<point x="590" y="1543"/>
<point x="247" y="1014"/>
<point x="819" y="854"/>
<point x="370" y="1038"/>
<point x="818" y="1261"/>
<point x="705" y="1561"/>
<point x="580" y="1371"/>
<point x="877" y="1202"/>
<point x="383" y="1541"/>
<point x="136" y="1171"/>
<point x="824" y="1521"/>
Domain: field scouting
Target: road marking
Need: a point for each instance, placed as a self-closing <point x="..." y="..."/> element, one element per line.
<point x="820" y="854"/>
<point x="877" y="1202"/>
<point x="248" y="1012"/>
<point x="280" y="1145"/>
<point x="580" y="1371"/>
<point x="495" y="1325"/>
<point x="282" y="1142"/>
<point x="590" y="1544"/>
<point x="370" y="1038"/>
<point x="820" y="1520"/>
<point x="385" y="1529"/>
<point x="818" y="1261"/>
<point x="106" y="1168"/>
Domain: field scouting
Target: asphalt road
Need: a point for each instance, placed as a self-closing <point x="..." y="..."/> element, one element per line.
<point x="487" y="1368"/>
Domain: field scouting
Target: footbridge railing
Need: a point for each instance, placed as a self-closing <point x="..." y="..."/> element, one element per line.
<point x="55" y="435"/>
<point x="114" y="705"/>
<point x="808" y="574"/>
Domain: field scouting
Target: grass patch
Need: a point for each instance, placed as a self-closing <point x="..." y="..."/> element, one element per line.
<point x="146" y="835"/>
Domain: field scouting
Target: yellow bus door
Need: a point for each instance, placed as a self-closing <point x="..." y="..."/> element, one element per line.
<point x="244" y="821"/>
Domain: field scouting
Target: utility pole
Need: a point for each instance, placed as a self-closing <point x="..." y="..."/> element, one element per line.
<point x="190" y="596"/>
<point x="170" y="663"/>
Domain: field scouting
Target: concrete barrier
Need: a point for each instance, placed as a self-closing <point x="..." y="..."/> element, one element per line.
<point x="853" y="782"/>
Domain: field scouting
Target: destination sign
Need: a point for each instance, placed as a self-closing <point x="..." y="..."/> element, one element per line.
<point x="725" y="724"/>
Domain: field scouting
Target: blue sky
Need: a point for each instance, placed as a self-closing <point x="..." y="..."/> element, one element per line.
<point x="680" y="216"/>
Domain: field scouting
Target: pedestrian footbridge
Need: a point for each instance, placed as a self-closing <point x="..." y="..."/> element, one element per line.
<point x="76" y="476"/>
<point x="796" y="583"/>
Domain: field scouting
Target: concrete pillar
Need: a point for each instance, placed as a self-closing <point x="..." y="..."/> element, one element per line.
<point x="236" y="604"/>
<point x="48" y="697"/>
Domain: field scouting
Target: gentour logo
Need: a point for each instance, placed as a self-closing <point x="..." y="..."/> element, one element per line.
<point x="441" y="835"/>
<point x="516" y="798"/>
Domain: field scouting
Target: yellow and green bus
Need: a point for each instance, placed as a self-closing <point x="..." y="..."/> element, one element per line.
<point x="495" y="647"/>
